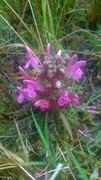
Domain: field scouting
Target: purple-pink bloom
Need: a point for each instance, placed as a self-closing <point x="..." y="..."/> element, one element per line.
<point x="54" y="75"/>
<point x="73" y="70"/>
<point x="63" y="99"/>
<point x="26" y="93"/>
<point x="68" y="98"/>
<point x="32" y="60"/>
<point x="43" y="104"/>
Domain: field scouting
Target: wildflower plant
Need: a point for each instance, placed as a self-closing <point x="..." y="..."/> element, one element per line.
<point x="51" y="86"/>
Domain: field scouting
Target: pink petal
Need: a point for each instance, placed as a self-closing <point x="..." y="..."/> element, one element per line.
<point x="32" y="60"/>
<point x="48" y="49"/>
<point x="77" y="65"/>
<point x="72" y="59"/>
<point x="28" y="93"/>
<point x="27" y="64"/>
<point x="24" y="74"/>
<point x="64" y="93"/>
<point x="31" y="92"/>
<point x="63" y="99"/>
<point x="74" y="98"/>
<point x="20" y="98"/>
<point x="78" y="74"/>
<point x="34" y="84"/>
<point x="21" y="91"/>
<point x="43" y="104"/>
<point x="74" y="70"/>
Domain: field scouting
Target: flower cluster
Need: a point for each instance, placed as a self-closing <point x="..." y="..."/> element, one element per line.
<point x="54" y="74"/>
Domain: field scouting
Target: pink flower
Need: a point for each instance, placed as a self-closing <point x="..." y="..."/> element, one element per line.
<point x="43" y="104"/>
<point x="67" y="99"/>
<point x="63" y="99"/>
<point x="34" y="84"/>
<point x="73" y="70"/>
<point x="32" y="60"/>
<point x="55" y="74"/>
<point x="26" y="93"/>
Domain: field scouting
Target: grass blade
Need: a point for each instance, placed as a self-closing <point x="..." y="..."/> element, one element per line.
<point x="44" y="141"/>
<point x="38" y="32"/>
<point x="72" y="157"/>
<point x="66" y="123"/>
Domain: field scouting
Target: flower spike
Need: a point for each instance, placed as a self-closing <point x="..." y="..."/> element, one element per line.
<point x="52" y="86"/>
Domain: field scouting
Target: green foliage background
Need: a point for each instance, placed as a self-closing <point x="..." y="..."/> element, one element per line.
<point x="75" y="27"/>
